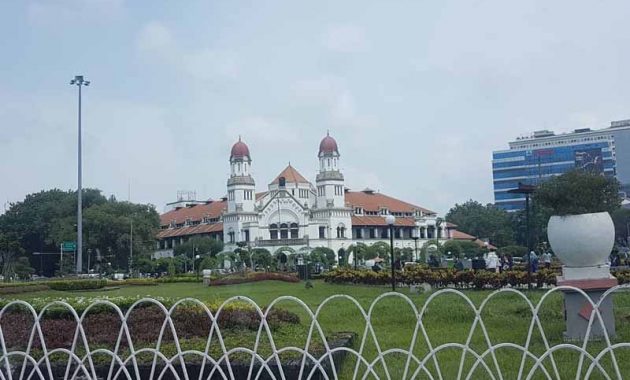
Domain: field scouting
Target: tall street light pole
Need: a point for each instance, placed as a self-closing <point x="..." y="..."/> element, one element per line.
<point x="79" y="81"/>
<point x="527" y="190"/>
<point x="390" y="220"/>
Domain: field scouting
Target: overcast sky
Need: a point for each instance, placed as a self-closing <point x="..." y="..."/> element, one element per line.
<point x="417" y="94"/>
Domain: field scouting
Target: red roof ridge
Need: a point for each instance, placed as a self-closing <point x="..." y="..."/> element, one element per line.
<point x="373" y="197"/>
<point x="290" y="174"/>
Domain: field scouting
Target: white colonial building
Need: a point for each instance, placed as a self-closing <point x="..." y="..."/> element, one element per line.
<point x="296" y="215"/>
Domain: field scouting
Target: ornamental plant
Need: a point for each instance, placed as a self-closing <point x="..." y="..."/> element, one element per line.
<point x="578" y="192"/>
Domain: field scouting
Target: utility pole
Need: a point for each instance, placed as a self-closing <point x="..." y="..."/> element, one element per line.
<point x="79" y="81"/>
<point x="131" y="247"/>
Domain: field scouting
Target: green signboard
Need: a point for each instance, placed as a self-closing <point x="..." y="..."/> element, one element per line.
<point x="69" y="246"/>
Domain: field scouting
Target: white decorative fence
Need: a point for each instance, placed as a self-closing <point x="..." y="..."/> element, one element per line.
<point x="476" y="356"/>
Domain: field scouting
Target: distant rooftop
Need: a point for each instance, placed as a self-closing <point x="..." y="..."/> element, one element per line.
<point x="548" y="133"/>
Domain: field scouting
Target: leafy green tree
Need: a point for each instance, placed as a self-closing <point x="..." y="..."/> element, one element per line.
<point x="538" y="225"/>
<point x="470" y="249"/>
<point x="144" y="265"/>
<point x="483" y="221"/>
<point x="431" y="247"/>
<point x="23" y="269"/>
<point x="513" y="250"/>
<point x="358" y="251"/>
<point x="42" y="221"/>
<point x="243" y="251"/>
<point x="324" y="255"/>
<point x="621" y="219"/>
<point x="201" y="245"/>
<point x="262" y="258"/>
<point x="10" y="251"/>
<point x="452" y="248"/>
<point x="209" y="262"/>
<point x="378" y="249"/>
<point x="578" y="192"/>
<point x="342" y="257"/>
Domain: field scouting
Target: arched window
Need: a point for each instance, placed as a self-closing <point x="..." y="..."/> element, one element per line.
<point x="341" y="231"/>
<point x="284" y="231"/>
<point x="294" y="231"/>
<point x="273" y="231"/>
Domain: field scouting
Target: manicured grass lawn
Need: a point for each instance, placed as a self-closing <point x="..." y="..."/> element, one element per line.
<point x="448" y="319"/>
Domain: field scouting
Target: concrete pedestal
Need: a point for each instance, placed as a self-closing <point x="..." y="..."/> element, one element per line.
<point x="578" y="310"/>
<point x="207" y="273"/>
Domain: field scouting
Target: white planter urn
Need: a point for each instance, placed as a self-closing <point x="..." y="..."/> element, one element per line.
<point x="583" y="241"/>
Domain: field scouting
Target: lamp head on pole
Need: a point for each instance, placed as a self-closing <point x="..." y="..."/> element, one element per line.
<point x="79" y="81"/>
<point x="390" y="219"/>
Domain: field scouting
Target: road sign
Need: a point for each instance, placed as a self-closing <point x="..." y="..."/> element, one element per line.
<point x="69" y="246"/>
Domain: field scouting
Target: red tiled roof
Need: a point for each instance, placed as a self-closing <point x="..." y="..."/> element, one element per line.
<point x="291" y="176"/>
<point x="380" y="221"/>
<point x="482" y="244"/>
<point x="195" y="213"/>
<point x="261" y="194"/>
<point x="190" y="230"/>
<point x="375" y="201"/>
<point x="459" y="235"/>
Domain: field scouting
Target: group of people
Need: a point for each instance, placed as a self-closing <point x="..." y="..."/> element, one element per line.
<point x="534" y="261"/>
<point x="495" y="263"/>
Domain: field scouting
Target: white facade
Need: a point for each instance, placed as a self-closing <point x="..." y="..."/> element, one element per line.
<point x="294" y="215"/>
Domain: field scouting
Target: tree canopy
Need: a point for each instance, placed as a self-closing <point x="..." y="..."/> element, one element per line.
<point x="482" y="221"/>
<point x="43" y="220"/>
<point x="578" y="192"/>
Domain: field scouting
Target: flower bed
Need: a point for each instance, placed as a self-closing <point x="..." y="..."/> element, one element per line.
<point x="102" y="325"/>
<point x="440" y="278"/>
<point x="22" y="288"/>
<point x="253" y="277"/>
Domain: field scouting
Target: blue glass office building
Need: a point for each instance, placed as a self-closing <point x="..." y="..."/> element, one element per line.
<point x="534" y="159"/>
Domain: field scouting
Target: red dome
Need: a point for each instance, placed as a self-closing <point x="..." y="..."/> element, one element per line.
<point x="239" y="150"/>
<point x="328" y="145"/>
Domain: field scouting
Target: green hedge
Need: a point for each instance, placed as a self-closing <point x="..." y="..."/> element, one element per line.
<point x="134" y="282"/>
<point x="69" y="285"/>
<point x="170" y="279"/>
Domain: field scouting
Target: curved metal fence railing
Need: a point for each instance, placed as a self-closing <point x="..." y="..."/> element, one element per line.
<point x="373" y="351"/>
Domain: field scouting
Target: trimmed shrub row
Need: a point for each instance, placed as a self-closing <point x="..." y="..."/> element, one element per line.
<point x="441" y="278"/>
<point x="253" y="277"/>
<point x="69" y="285"/>
<point x="171" y="279"/>
<point x="623" y="276"/>
<point x="135" y="282"/>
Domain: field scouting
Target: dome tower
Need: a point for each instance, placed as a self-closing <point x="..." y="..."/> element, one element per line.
<point x="329" y="181"/>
